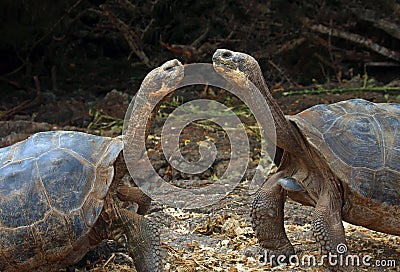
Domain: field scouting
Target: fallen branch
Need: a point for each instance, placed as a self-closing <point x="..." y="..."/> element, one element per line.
<point x="356" y="39"/>
<point x="186" y="50"/>
<point x="25" y="104"/>
<point x="324" y="91"/>
<point x="290" y="45"/>
<point x="383" y="24"/>
<point x="131" y="37"/>
<point x="282" y="73"/>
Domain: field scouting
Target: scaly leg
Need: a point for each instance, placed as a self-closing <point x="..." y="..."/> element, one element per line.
<point x="134" y="194"/>
<point x="328" y="227"/>
<point x="136" y="233"/>
<point x="141" y="238"/>
<point x="267" y="219"/>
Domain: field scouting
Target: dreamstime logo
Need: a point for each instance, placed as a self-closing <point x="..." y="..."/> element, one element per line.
<point x="342" y="258"/>
<point x="148" y="179"/>
<point x="341" y="248"/>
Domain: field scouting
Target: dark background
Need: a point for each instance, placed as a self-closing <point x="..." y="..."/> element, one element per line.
<point x="72" y="52"/>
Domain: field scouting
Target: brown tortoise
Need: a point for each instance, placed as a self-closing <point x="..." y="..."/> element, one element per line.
<point x="343" y="159"/>
<point x="59" y="198"/>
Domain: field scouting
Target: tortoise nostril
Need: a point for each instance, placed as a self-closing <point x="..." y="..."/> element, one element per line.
<point x="171" y="65"/>
<point x="226" y="54"/>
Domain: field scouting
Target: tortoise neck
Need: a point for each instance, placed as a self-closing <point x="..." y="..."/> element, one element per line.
<point x="288" y="137"/>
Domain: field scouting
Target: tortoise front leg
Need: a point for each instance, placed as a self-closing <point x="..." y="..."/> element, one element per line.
<point x="267" y="219"/>
<point x="328" y="227"/>
<point x="134" y="194"/>
<point x="140" y="237"/>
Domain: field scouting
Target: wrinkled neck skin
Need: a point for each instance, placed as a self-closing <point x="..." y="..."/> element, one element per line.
<point x="300" y="160"/>
<point x="288" y="137"/>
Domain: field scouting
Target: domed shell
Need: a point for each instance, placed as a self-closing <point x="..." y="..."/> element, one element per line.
<point x="52" y="187"/>
<point x="360" y="141"/>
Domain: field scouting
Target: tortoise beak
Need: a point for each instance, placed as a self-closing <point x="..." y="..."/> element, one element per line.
<point x="171" y="64"/>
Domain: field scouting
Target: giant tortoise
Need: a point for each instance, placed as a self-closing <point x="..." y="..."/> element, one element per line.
<point x="59" y="198"/>
<point x="343" y="159"/>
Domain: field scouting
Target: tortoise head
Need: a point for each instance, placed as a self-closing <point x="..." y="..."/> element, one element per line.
<point x="156" y="87"/>
<point x="288" y="137"/>
<point x="240" y="62"/>
<point x="162" y="80"/>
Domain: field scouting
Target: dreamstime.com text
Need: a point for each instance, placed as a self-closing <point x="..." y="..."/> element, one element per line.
<point x="341" y="259"/>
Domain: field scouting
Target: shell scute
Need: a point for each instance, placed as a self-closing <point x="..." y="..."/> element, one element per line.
<point x="19" y="246"/>
<point x="22" y="198"/>
<point x="67" y="179"/>
<point x="53" y="170"/>
<point x="35" y="145"/>
<point x="363" y="139"/>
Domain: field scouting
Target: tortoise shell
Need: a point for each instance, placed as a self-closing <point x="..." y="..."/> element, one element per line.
<point x="52" y="188"/>
<point x="360" y="141"/>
